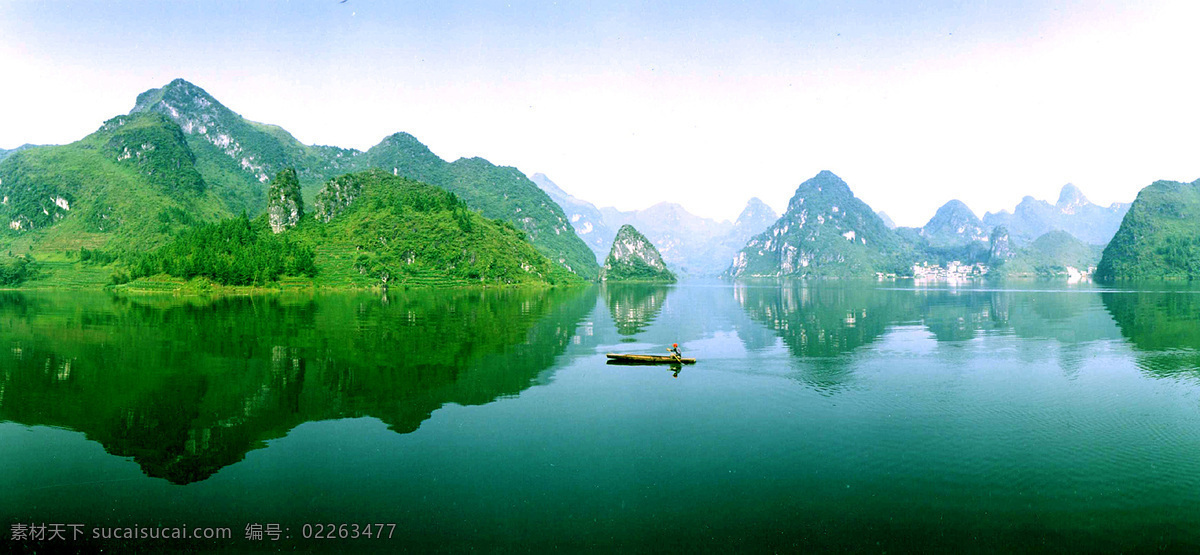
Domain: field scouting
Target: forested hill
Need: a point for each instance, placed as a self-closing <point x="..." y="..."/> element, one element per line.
<point x="1159" y="237"/>
<point x="239" y="156"/>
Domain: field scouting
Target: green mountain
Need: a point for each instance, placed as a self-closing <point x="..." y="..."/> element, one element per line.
<point x="127" y="187"/>
<point x="373" y="227"/>
<point x="1052" y="254"/>
<point x="497" y="192"/>
<point x="954" y="224"/>
<point x="1159" y="237"/>
<point x="237" y="156"/>
<point x="634" y="258"/>
<point x="825" y="232"/>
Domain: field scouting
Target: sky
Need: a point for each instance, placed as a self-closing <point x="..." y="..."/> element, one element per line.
<point x="628" y="104"/>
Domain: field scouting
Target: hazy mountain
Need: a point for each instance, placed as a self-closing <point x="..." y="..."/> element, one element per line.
<point x="634" y="258"/>
<point x="954" y="224"/>
<point x="826" y="231"/>
<point x="755" y="217"/>
<point x="584" y="216"/>
<point x="1073" y="213"/>
<point x="1159" y="237"/>
<point x="689" y="244"/>
<point x="887" y="220"/>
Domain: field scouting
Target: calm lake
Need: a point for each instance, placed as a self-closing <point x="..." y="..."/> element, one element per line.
<point x="847" y="417"/>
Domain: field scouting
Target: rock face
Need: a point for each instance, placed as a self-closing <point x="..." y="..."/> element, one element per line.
<point x="825" y="232"/>
<point x="634" y="258"/>
<point x="335" y="197"/>
<point x="1001" y="246"/>
<point x="1159" y="237"/>
<point x="954" y="224"/>
<point x="1073" y="213"/>
<point x="285" y="207"/>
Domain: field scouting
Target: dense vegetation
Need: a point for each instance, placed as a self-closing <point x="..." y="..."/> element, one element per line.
<point x="16" y="271"/>
<point x="373" y="227"/>
<point x="496" y="192"/>
<point x="182" y="160"/>
<point x="1159" y="238"/>
<point x="236" y="251"/>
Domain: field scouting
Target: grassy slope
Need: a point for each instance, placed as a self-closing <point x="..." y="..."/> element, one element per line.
<point x="417" y="234"/>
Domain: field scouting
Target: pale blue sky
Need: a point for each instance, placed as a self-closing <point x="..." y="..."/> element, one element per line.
<point x="631" y="103"/>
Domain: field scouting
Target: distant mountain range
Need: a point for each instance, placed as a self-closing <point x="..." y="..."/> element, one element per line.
<point x="181" y="159"/>
<point x="1073" y="213"/>
<point x="690" y="244"/>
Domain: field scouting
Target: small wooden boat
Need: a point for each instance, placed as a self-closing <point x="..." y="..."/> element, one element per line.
<point x="614" y="358"/>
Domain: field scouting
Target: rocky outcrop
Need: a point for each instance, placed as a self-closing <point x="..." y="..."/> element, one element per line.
<point x="1001" y="248"/>
<point x="634" y="258"/>
<point x="335" y="197"/>
<point x="285" y="206"/>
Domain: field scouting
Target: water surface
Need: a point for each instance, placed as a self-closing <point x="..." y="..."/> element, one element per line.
<point x="849" y="417"/>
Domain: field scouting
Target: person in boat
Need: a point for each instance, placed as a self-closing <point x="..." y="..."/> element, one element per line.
<point x="674" y="350"/>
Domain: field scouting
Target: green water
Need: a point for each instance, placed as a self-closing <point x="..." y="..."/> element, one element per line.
<point x="830" y="417"/>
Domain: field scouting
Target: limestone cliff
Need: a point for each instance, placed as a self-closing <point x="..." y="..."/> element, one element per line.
<point x="634" y="258"/>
